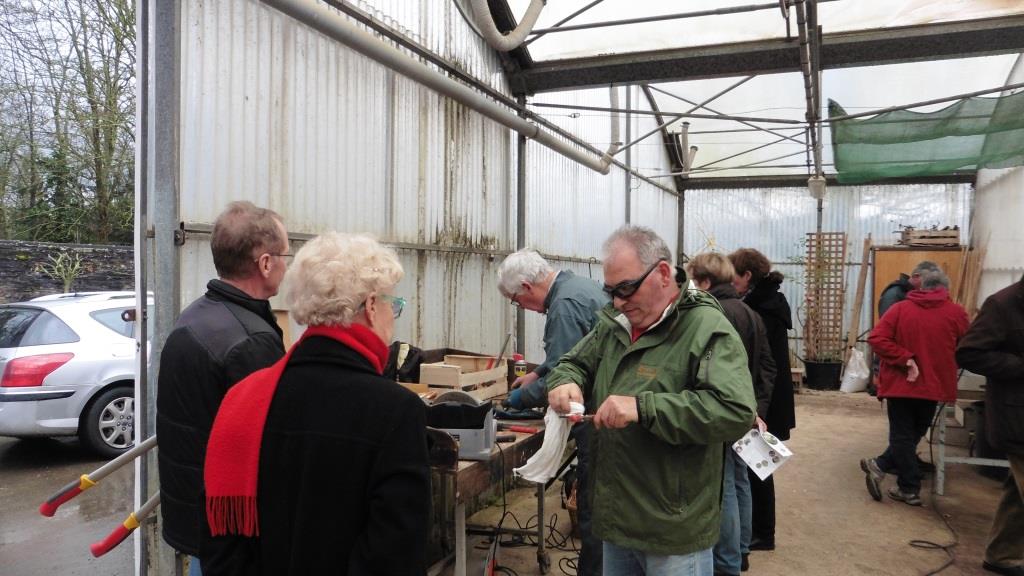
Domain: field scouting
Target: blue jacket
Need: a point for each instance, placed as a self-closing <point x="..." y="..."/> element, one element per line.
<point x="571" y="308"/>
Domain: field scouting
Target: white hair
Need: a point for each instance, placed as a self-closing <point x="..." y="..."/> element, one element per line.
<point x="333" y="274"/>
<point x="649" y="247"/>
<point x="932" y="279"/>
<point x="526" y="265"/>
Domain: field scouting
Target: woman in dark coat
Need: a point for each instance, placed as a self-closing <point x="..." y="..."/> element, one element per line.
<point x="319" y="456"/>
<point x="759" y="286"/>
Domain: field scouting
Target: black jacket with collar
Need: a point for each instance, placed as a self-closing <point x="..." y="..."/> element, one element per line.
<point x="766" y="299"/>
<point x="755" y="340"/>
<point x="994" y="348"/>
<point x="344" y="480"/>
<point x="218" y="340"/>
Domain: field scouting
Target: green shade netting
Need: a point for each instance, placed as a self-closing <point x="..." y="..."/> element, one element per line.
<point x="969" y="134"/>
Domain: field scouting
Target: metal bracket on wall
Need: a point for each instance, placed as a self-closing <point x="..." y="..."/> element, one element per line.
<point x="179" y="235"/>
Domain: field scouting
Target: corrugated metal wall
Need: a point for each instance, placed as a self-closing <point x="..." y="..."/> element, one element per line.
<point x="275" y="113"/>
<point x="777" y="220"/>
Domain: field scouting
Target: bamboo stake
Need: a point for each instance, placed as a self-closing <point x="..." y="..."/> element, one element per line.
<point x="858" y="302"/>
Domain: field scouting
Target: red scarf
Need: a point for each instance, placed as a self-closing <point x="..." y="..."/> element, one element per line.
<point x="233" y="452"/>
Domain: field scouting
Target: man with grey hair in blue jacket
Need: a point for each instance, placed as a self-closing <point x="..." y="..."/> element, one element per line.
<point x="570" y="303"/>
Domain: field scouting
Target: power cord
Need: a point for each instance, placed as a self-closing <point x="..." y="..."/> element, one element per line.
<point x="926" y="544"/>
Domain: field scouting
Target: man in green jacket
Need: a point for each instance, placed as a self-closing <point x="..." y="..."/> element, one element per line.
<point x="669" y="377"/>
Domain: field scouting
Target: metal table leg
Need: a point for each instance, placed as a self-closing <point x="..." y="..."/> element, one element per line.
<point x="543" y="560"/>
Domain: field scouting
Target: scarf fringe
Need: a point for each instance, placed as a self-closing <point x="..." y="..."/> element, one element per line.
<point x="232" y="515"/>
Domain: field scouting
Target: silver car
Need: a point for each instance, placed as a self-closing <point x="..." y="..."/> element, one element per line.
<point x="68" y="368"/>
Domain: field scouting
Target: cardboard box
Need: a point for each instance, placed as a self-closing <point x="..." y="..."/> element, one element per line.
<point x="763" y="453"/>
<point x="468" y="374"/>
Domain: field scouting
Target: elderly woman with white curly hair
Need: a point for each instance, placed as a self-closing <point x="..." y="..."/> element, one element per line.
<point x="319" y="456"/>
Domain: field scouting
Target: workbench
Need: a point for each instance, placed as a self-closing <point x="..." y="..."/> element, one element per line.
<point x="473" y="479"/>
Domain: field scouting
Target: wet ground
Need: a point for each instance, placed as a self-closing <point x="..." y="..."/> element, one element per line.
<point x="30" y="544"/>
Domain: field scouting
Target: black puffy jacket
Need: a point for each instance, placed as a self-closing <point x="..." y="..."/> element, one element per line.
<point x="218" y="340"/>
<point x="766" y="299"/>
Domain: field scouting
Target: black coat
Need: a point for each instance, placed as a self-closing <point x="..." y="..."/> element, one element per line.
<point x="344" y="480"/>
<point x="755" y="340"/>
<point x="994" y="348"/>
<point x="765" y="299"/>
<point x="218" y="340"/>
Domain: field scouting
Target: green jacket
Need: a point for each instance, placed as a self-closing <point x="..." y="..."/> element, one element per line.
<point x="657" y="484"/>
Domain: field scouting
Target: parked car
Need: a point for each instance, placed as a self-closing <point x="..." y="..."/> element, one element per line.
<point x="68" y="368"/>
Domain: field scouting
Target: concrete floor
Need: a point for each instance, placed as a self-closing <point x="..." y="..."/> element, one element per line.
<point x="827" y="522"/>
<point x="30" y="544"/>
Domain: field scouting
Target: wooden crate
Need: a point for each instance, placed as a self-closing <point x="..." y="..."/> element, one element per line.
<point x="468" y="374"/>
<point x="912" y="237"/>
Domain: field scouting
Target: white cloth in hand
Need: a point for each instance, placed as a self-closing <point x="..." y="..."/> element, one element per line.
<point x="544" y="463"/>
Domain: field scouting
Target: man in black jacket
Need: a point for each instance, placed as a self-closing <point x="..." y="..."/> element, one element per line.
<point x="219" y="339"/>
<point x="994" y="348"/>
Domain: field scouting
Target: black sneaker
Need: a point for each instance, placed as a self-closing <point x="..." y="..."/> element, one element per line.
<point x="873" y="477"/>
<point x="910" y="498"/>
<point x="1006" y="570"/>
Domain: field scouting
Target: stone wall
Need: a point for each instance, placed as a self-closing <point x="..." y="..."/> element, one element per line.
<point x="23" y="268"/>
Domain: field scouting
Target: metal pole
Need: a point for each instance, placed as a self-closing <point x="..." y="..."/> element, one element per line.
<point x="521" y="226"/>
<point x="665" y="123"/>
<point x="716" y="12"/>
<point x="745" y="123"/>
<point x="142" y="111"/>
<point x="926" y="102"/>
<point x="651" y="113"/>
<point x="538" y="35"/>
<point x="161" y="171"/>
<point x="629" y="153"/>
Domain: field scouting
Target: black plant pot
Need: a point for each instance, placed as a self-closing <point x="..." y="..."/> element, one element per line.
<point x="823" y="375"/>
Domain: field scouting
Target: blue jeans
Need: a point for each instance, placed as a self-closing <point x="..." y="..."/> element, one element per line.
<point x="620" y="561"/>
<point x="734" y="535"/>
<point x="193" y="567"/>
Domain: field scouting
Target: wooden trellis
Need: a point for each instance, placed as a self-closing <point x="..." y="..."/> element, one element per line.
<point x="826" y="288"/>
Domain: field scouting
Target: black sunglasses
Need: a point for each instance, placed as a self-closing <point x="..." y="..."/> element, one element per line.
<point x="627" y="288"/>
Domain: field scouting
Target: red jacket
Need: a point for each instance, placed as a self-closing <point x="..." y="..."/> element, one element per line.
<point x="926" y="327"/>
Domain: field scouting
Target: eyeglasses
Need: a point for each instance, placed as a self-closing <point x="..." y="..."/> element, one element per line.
<point x="397" y="303"/>
<point x="623" y="290"/>
<point x="282" y="255"/>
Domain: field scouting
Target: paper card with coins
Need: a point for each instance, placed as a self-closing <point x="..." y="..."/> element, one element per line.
<point x="762" y="452"/>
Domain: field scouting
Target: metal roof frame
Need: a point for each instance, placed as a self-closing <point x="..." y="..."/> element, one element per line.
<point x="809" y="52"/>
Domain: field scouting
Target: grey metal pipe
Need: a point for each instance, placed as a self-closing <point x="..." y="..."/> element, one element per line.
<point x="806" y="69"/>
<point x="323" y="19"/>
<point x="504" y="42"/>
<point x="662" y="113"/>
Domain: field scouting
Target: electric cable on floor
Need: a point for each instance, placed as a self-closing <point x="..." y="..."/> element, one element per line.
<point x="926" y="544"/>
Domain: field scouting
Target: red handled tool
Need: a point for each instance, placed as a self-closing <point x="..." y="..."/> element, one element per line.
<point x="127" y="527"/>
<point x="515" y="428"/>
<point x="86" y="481"/>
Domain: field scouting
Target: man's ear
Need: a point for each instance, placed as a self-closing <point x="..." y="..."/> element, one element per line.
<point x="264" y="263"/>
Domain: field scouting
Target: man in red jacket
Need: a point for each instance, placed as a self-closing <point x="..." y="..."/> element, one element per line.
<point x="916" y="341"/>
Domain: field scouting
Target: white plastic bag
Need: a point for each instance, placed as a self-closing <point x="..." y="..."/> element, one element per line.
<point x="857" y="374"/>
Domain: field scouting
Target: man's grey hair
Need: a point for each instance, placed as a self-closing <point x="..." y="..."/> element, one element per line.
<point x="932" y="279"/>
<point x="925" y="266"/>
<point x="526" y="265"/>
<point x="650" y="248"/>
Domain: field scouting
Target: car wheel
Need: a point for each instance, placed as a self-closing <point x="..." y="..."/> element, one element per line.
<point x="108" y="426"/>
